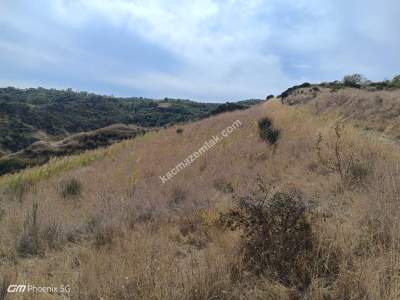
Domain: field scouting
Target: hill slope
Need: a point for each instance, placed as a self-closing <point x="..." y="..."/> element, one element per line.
<point x="30" y="115"/>
<point x="370" y="108"/>
<point x="110" y="228"/>
<point x="41" y="152"/>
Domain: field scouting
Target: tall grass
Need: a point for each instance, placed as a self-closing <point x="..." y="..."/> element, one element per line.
<point x="57" y="165"/>
<point x="131" y="237"/>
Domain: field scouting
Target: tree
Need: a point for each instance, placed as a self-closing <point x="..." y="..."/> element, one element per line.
<point x="396" y="81"/>
<point x="354" y="80"/>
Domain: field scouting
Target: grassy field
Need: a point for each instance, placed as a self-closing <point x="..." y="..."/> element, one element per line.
<point x="104" y="224"/>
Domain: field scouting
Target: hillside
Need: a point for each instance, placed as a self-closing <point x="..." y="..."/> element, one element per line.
<point x="41" y="152"/>
<point x="323" y="219"/>
<point x="370" y="108"/>
<point x="31" y="115"/>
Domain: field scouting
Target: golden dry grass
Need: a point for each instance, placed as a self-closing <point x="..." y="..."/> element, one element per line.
<point x="369" y="110"/>
<point x="128" y="236"/>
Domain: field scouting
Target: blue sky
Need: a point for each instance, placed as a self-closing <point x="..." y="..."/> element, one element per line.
<point x="206" y="50"/>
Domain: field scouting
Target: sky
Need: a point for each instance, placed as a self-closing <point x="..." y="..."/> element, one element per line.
<point x="206" y="50"/>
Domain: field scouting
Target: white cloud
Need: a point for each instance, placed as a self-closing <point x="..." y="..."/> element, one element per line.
<point x="214" y="38"/>
<point x="226" y="48"/>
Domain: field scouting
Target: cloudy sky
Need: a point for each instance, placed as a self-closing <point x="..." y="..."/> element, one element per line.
<point x="208" y="50"/>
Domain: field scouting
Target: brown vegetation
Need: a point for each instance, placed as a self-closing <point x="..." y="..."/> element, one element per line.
<point x="325" y="198"/>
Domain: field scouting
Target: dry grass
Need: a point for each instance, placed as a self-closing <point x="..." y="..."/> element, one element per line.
<point x="128" y="236"/>
<point x="369" y="110"/>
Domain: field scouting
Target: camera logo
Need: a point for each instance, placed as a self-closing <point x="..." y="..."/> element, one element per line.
<point x="16" y="288"/>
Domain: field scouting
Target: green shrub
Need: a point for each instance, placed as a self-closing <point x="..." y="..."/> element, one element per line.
<point x="267" y="132"/>
<point x="396" y="81"/>
<point x="227" y="107"/>
<point x="71" y="188"/>
<point x="290" y="90"/>
<point x="8" y="165"/>
<point x="354" y="80"/>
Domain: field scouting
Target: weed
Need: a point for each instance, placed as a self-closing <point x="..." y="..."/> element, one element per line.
<point x="351" y="166"/>
<point x="28" y="243"/>
<point x="71" y="188"/>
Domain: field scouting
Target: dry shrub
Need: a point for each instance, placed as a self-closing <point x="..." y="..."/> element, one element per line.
<point x="277" y="238"/>
<point x="36" y="236"/>
<point x="348" y="160"/>
<point x="19" y="187"/>
<point x="103" y="230"/>
<point x="53" y="235"/>
<point x="177" y="198"/>
<point x="194" y="231"/>
<point x="223" y="186"/>
<point x="28" y="243"/>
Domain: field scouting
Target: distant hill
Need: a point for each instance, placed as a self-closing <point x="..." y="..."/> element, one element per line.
<point x="39" y="114"/>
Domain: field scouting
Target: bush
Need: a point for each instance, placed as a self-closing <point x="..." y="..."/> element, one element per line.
<point x="267" y="132"/>
<point x="396" y="81"/>
<point x="71" y="188"/>
<point x="290" y="90"/>
<point x="179" y="130"/>
<point x="315" y="89"/>
<point x="277" y="239"/>
<point x="8" y="165"/>
<point x="354" y="80"/>
<point x="269" y="97"/>
<point x="227" y="107"/>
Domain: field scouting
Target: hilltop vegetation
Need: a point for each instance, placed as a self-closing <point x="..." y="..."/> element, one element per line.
<point x="357" y="81"/>
<point x="31" y="115"/>
<point x="372" y="106"/>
